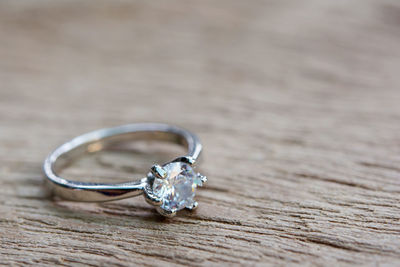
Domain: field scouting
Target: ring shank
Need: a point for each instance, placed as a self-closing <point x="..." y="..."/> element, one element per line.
<point x="101" y="139"/>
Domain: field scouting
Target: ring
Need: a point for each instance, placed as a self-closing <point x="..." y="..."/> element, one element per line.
<point x="169" y="187"/>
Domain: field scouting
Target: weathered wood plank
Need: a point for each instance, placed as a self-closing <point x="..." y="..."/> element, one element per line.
<point x="297" y="105"/>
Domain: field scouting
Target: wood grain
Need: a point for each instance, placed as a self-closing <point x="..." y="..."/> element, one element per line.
<point x="296" y="102"/>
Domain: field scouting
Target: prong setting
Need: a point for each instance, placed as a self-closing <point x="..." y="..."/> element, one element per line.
<point x="150" y="197"/>
<point x="158" y="171"/>
<point x="194" y="206"/>
<point x="166" y="213"/>
<point x="172" y="187"/>
<point x="202" y="178"/>
<point x="189" y="160"/>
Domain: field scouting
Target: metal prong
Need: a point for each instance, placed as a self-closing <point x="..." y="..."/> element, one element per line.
<point x="186" y="159"/>
<point x="203" y="178"/>
<point x="194" y="206"/>
<point x="166" y="213"/>
<point x="155" y="201"/>
<point x="158" y="171"/>
<point x="150" y="197"/>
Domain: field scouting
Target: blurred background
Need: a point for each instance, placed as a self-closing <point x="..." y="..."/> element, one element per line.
<point x="264" y="70"/>
<point x="296" y="100"/>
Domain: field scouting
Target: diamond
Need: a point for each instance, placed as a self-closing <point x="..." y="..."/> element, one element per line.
<point x="177" y="189"/>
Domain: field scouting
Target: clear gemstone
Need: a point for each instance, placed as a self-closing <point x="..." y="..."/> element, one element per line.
<point x="178" y="189"/>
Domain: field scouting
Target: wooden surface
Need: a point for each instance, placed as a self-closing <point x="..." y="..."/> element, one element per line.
<point x="296" y="102"/>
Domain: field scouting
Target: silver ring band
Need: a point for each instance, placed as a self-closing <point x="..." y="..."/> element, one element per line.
<point x="100" y="139"/>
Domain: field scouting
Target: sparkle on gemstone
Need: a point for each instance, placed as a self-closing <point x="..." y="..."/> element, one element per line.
<point x="178" y="189"/>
